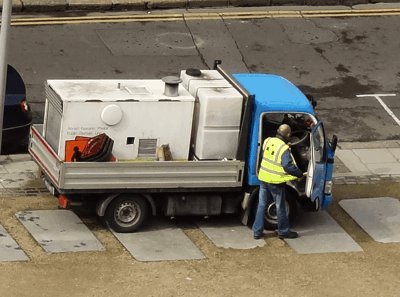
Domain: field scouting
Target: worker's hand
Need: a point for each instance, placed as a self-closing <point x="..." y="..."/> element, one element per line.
<point x="305" y="173"/>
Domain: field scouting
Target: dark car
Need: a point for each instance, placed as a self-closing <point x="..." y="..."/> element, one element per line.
<point x="17" y="115"/>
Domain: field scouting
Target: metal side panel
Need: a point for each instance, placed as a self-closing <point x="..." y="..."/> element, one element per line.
<point x="152" y="175"/>
<point x="44" y="155"/>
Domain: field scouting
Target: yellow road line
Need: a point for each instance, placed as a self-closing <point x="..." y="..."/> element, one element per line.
<point x="203" y="16"/>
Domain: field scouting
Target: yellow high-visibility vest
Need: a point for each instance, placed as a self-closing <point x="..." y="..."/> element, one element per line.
<point x="271" y="169"/>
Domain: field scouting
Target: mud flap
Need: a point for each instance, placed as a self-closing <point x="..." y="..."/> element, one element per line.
<point x="245" y="210"/>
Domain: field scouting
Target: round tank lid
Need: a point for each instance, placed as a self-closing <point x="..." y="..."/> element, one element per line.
<point x="171" y="80"/>
<point x="111" y="114"/>
<point x="193" y="72"/>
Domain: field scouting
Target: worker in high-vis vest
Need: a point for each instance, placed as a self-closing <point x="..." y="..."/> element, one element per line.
<point x="277" y="167"/>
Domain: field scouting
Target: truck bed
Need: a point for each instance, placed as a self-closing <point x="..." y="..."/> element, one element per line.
<point x="120" y="176"/>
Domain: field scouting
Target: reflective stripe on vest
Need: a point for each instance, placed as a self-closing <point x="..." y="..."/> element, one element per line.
<point x="271" y="169"/>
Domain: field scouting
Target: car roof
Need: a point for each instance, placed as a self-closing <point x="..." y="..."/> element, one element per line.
<point x="274" y="92"/>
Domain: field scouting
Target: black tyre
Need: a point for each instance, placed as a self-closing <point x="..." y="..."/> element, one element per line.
<point x="126" y="213"/>
<point x="253" y="202"/>
<point x="270" y="217"/>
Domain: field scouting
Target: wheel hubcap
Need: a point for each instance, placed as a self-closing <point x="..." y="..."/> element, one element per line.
<point x="271" y="212"/>
<point x="127" y="213"/>
<point x="271" y="215"/>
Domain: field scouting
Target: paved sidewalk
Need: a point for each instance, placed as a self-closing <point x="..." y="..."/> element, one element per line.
<point x="19" y="176"/>
<point x="367" y="162"/>
<point x="355" y="163"/>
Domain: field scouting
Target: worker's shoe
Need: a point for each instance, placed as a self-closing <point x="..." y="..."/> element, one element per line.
<point x="290" y="235"/>
<point x="256" y="236"/>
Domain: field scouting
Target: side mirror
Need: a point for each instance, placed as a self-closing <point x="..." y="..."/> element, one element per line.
<point x="333" y="143"/>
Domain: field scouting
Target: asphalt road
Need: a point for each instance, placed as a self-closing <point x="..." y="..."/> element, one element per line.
<point x="335" y="59"/>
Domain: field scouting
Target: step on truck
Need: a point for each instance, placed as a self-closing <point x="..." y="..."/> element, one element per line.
<point x="188" y="145"/>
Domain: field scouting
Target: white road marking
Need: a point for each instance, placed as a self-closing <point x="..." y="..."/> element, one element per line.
<point x="388" y="110"/>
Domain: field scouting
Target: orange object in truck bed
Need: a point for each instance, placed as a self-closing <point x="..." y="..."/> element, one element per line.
<point x="89" y="149"/>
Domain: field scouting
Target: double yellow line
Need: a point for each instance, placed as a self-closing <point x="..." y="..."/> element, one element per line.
<point x="188" y="16"/>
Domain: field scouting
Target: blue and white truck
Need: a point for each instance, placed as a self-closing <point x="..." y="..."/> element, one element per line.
<point x="187" y="145"/>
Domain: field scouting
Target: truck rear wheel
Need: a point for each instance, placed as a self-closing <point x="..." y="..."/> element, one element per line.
<point x="126" y="213"/>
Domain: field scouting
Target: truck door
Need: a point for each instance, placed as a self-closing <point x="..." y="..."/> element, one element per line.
<point x="315" y="182"/>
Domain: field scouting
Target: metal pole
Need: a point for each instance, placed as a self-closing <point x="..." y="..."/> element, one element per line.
<point x="5" y="26"/>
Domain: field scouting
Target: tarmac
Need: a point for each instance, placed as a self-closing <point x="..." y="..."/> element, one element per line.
<point x="355" y="163"/>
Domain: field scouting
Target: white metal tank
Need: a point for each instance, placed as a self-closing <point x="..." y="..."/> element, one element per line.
<point x="193" y="76"/>
<point x="217" y="114"/>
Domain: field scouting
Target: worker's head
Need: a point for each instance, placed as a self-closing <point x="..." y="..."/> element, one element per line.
<point x="284" y="131"/>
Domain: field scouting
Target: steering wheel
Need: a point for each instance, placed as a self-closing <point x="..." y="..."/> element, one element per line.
<point x="298" y="137"/>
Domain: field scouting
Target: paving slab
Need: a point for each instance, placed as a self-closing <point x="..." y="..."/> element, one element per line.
<point x="372" y="156"/>
<point x="20" y="158"/>
<point x="2" y="169"/>
<point x="395" y="152"/>
<point x="16" y="180"/>
<point x="229" y="234"/>
<point x="352" y="161"/>
<point x="369" y="144"/>
<point x="379" y="217"/>
<point x="59" y="231"/>
<point x="160" y="240"/>
<point x="90" y="4"/>
<point x="21" y="166"/>
<point x="9" y="249"/>
<point x="384" y="168"/>
<point x="44" y="5"/>
<point x="319" y="233"/>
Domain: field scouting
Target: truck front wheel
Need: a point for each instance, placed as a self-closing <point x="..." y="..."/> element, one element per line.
<point x="126" y="213"/>
<point x="270" y="217"/>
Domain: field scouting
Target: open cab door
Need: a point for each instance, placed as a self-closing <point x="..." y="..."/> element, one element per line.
<point x="316" y="177"/>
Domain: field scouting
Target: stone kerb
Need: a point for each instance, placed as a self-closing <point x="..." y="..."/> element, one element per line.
<point x="104" y="5"/>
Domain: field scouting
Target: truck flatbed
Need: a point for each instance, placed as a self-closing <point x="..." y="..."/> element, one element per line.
<point x="72" y="177"/>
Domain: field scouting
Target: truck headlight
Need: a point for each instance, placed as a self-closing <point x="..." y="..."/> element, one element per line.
<point x="328" y="187"/>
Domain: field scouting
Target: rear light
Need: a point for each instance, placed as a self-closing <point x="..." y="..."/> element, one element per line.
<point x="63" y="202"/>
<point x="328" y="187"/>
<point x="24" y="106"/>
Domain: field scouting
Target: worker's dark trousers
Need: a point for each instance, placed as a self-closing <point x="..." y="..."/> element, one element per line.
<point x="271" y="193"/>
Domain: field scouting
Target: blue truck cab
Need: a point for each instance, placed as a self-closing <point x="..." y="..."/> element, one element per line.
<point x="272" y="101"/>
